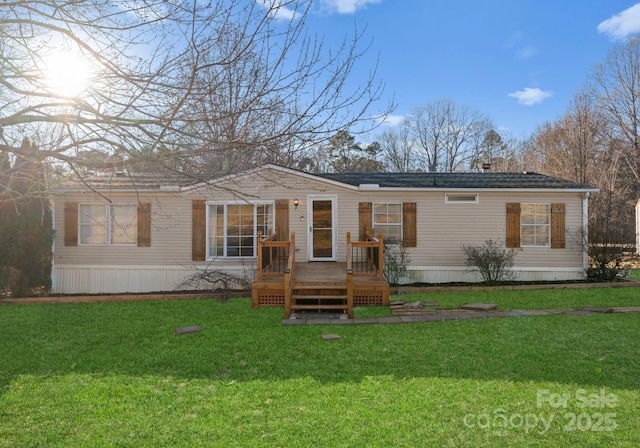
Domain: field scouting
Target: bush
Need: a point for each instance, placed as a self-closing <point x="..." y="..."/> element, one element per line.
<point x="492" y="260"/>
<point x="396" y="261"/>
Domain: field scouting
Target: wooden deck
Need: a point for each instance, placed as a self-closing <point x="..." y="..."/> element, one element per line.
<point x="319" y="286"/>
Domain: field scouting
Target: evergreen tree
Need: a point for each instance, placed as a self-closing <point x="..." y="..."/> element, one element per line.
<point x="26" y="231"/>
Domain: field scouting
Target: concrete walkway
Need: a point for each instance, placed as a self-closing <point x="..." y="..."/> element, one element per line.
<point x="444" y="315"/>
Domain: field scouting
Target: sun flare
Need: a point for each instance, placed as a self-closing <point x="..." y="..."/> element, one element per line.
<point x="67" y="73"/>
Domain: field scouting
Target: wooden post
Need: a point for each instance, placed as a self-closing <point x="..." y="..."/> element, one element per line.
<point x="289" y="275"/>
<point x="259" y="255"/>
<point x="380" y="257"/>
<point x="349" y="278"/>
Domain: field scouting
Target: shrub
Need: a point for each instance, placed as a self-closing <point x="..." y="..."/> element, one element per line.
<point x="492" y="260"/>
<point x="396" y="261"/>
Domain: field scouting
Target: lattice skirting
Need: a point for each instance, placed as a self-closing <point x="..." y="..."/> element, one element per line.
<point x="368" y="298"/>
<point x="270" y="299"/>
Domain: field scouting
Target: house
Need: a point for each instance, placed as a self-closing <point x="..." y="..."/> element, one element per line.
<point x="638" y="226"/>
<point x="142" y="233"/>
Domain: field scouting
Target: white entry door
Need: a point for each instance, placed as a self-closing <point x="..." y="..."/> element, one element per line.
<point x="322" y="228"/>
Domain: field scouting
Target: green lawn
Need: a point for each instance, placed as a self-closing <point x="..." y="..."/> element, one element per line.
<point x="115" y="374"/>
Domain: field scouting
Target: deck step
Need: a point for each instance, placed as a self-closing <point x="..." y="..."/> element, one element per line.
<point x="317" y="297"/>
<point x="318" y="307"/>
<point x="327" y="285"/>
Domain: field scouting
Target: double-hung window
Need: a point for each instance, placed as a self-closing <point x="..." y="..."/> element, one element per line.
<point x="108" y="224"/>
<point x="233" y="228"/>
<point x="387" y="218"/>
<point x="535" y="224"/>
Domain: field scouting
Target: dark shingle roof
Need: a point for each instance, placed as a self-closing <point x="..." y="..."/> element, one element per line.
<point x="127" y="181"/>
<point x="456" y="180"/>
<point x="156" y="181"/>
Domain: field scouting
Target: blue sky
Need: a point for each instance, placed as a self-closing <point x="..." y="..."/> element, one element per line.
<point x="520" y="62"/>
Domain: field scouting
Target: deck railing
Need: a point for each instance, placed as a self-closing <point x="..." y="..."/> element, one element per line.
<point x="272" y="256"/>
<point x="366" y="258"/>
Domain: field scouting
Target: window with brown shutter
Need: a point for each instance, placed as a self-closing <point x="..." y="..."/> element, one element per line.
<point x="409" y="225"/>
<point x="144" y="224"/>
<point x="70" y="223"/>
<point x="513" y="224"/>
<point x="198" y="230"/>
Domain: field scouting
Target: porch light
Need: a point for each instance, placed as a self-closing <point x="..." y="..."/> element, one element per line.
<point x="296" y="203"/>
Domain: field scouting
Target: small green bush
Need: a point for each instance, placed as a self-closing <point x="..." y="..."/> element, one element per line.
<point x="492" y="260"/>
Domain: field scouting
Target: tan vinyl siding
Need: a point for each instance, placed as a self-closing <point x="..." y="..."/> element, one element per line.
<point x="170" y="233"/>
<point x="442" y="228"/>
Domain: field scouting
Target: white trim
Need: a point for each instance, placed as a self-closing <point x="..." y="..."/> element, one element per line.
<point x="638" y="226"/>
<point x="208" y="204"/>
<point x="585" y="232"/>
<point x="334" y="230"/>
<point x="393" y="224"/>
<point x="475" y="201"/>
<point x="109" y="224"/>
<point x="536" y="225"/>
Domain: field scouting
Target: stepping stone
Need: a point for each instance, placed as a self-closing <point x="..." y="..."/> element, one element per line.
<point x="479" y="306"/>
<point x="577" y="313"/>
<point x="329" y="336"/>
<point x="596" y="309"/>
<point x="430" y="304"/>
<point x="191" y="329"/>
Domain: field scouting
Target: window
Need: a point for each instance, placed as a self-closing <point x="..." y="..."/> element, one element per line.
<point x="108" y="224"/>
<point x="233" y="228"/>
<point x="387" y="218"/>
<point x="535" y="224"/>
<point x="461" y="198"/>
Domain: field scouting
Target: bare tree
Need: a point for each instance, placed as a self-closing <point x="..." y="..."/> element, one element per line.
<point x="175" y="82"/>
<point x="616" y="88"/>
<point x="573" y="146"/>
<point x="397" y="149"/>
<point x="447" y="136"/>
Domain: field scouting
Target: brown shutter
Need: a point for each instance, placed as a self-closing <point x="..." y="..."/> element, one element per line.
<point x="198" y="230"/>
<point x="557" y="226"/>
<point x="282" y="219"/>
<point x="144" y="224"/>
<point x="513" y="224"/>
<point x="70" y="223"/>
<point x="365" y="220"/>
<point x="409" y="226"/>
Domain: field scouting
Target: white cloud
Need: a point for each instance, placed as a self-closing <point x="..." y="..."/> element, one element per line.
<point x="530" y="96"/>
<point x="277" y="10"/>
<point x="346" y="6"/>
<point x="622" y="24"/>
<point x="392" y="120"/>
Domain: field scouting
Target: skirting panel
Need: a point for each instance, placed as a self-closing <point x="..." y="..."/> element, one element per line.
<point x="426" y="274"/>
<point x="98" y="279"/>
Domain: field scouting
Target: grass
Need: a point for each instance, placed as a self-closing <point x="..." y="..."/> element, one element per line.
<point x="115" y="374"/>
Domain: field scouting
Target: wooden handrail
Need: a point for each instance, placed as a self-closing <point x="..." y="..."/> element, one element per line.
<point x="289" y="276"/>
<point x="370" y="243"/>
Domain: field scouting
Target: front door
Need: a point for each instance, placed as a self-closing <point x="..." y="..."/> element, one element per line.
<point x="322" y="228"/>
